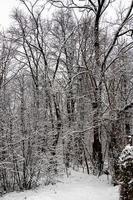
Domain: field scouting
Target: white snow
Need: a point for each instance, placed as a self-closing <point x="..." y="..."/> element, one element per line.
<point x="127" y="153"/>
<point x="79" y="186"/>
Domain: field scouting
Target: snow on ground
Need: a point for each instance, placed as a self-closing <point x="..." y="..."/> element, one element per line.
<point x="78" y="186"/>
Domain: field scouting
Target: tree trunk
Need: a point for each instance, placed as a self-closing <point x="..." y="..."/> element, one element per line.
<point x="97" y="146"/>
<point x="96" y="105"/>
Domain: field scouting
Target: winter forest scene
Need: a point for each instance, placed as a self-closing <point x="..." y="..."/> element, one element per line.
<point x="66" y="100"/>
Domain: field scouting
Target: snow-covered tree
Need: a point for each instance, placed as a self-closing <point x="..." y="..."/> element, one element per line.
<point x="126" y="176"/>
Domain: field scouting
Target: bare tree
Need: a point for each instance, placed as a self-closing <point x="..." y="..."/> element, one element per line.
<point x="98" y="8"/>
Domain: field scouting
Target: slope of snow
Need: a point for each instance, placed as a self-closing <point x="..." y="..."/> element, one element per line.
<point x="78" y="186"/>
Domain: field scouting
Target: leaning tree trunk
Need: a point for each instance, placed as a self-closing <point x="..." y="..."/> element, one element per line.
<point x="55" y="139"/>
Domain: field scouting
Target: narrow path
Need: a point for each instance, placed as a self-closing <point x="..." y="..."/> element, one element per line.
<point x="77" y="187"/>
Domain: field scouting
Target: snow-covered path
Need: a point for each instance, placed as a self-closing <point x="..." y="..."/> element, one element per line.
<point x="77" y="187"/>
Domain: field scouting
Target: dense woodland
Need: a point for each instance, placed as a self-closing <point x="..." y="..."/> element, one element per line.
<point x="66" y="90"/>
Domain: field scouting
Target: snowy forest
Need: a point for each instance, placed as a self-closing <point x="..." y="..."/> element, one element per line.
<point x="66" y="93"/>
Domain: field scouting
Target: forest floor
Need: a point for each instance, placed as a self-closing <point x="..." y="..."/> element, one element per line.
<point x="79" y="186"/>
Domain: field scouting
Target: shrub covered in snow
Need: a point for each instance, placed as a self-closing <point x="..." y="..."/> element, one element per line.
<point x="126" y="167"/>
<point x="126" y="154"/>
